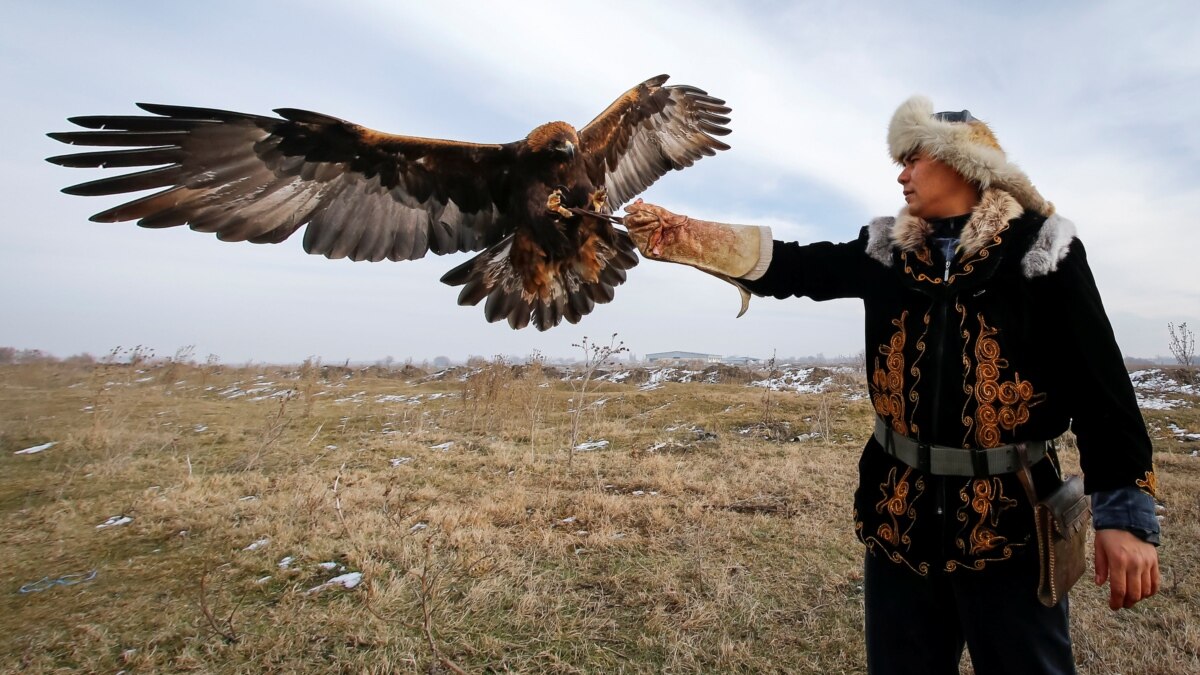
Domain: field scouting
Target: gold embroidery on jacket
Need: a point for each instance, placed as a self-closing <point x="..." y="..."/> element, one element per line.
<point x="1149" y="484"/>
<point x="999" y="405"/>
<point x="967" y="266"/>
<point x="888" y="394"/>
<point x="923" y="255"/>
<point x="968" y="263"/>
<point x="913" y="395"/>
<point x="968" y="389"/>
<point x="896" y="505"/>
<point x="919" y="276"/>
<point x="986" y="499"/>
<point x="895" y="556"/>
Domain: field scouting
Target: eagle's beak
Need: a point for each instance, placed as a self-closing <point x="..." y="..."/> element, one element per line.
<point x="570" y="148"/>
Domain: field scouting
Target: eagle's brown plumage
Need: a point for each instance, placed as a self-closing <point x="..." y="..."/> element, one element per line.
<point x="368" y="195"/>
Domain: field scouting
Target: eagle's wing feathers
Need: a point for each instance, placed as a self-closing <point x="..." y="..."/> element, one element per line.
<point x="364" y="194"/>
<point x="648" y="131"/>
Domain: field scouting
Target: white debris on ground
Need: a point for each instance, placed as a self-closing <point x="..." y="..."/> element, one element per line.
<point x="285" y="563"/>
<point x="1157" y="402"/>
<point x="615" y="377"/>
<point x="418" y="527"/>
<point x="795" y="380"/>
<point x="1154" y="379"/>
<point x="400" y="461"/>
<point x="115" y="521"/>
<point x="1181" y="433"/>
<point x="261" y="543"/>
<point x="592" y="445"/>
<point x="200" y="428"/>
<point x="1151" y="386"/>
<point x="331" y="566"/>
<point x="36" y="449"/>
<point x="442" y="446"/>
<point x="347" y="581"/>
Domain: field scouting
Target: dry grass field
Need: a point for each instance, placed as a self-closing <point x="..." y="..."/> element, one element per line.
<point x="320" y="519"/>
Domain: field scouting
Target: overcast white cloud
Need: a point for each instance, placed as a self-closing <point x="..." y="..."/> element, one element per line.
<point x="1095" y="100"/>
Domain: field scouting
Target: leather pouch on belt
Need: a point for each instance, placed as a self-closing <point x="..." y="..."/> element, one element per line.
<point x="1062" y="524"/>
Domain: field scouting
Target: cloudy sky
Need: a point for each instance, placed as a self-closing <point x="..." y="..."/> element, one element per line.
<point x="1095" y="100"/>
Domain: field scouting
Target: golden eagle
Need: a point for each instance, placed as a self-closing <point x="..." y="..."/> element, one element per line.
<point x="530" y="206"/>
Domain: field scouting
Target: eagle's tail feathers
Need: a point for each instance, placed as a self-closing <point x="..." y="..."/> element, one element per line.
<point x="563" y="292"/>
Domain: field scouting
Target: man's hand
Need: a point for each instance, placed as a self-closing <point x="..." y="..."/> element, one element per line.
<point x="1130" y="566"/>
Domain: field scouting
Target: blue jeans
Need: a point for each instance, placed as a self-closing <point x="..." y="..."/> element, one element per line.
<point x="919" y="625"/>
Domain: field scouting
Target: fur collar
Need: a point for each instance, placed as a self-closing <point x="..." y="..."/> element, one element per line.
<point x="908" y="233"/>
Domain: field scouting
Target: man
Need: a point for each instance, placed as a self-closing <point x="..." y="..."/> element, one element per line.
<point x="984" y="330"/>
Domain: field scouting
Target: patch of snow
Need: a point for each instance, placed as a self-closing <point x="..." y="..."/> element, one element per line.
<point x="285" y="563"/>
<point x="418" y="527"/>
<point x="263" y="580"/>
<point x="1181" y="433"/>
<point x="442" y="446"/>
<point x="347" y="581"/>
<point x="329" y="566"/>
<point x="258" y="544"/>
<point x="1156" y="402"/>
<point x="331" y="447"/>
<point x="115" y="521"/>
<point x="200" y="428"/>
<point x="592" y="445"/>
<point x="36" y="449"/>
<point x="400" y="461"/>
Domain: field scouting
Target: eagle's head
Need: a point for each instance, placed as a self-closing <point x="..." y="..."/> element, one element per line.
<point x="555" y="138"/>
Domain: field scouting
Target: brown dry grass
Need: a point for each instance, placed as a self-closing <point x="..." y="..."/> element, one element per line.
<point x="715" y="552"/>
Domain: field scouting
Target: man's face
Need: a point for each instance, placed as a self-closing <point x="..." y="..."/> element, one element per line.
<point x="934" y="190"/>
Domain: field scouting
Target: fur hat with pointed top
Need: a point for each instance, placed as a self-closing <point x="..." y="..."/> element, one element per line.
<point x="966" y="144"/>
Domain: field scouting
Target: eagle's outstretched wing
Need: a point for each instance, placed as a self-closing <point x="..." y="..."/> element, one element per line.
<point x="648" y="131"/>
<point x="365" y="195"/>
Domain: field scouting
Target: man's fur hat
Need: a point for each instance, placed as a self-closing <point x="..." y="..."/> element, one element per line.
<point x="966" y="144"/>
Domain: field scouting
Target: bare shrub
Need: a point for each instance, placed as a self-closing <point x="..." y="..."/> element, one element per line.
<point x="1183" y="348"/>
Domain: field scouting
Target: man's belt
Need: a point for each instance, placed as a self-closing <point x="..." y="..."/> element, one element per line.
<point x="942" y="460"/>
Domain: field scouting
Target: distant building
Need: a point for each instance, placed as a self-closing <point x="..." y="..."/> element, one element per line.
<point x="682" y="357"/>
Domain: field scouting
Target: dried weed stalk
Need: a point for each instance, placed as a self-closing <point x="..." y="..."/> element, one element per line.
<point x="595" y="355"/>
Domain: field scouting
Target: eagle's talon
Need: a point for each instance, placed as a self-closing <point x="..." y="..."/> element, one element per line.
<point x="598" y="199"/>
<point x="554" y="205"/>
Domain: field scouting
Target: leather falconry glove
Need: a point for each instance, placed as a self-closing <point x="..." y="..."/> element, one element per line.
<point x="728" y="252"/>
